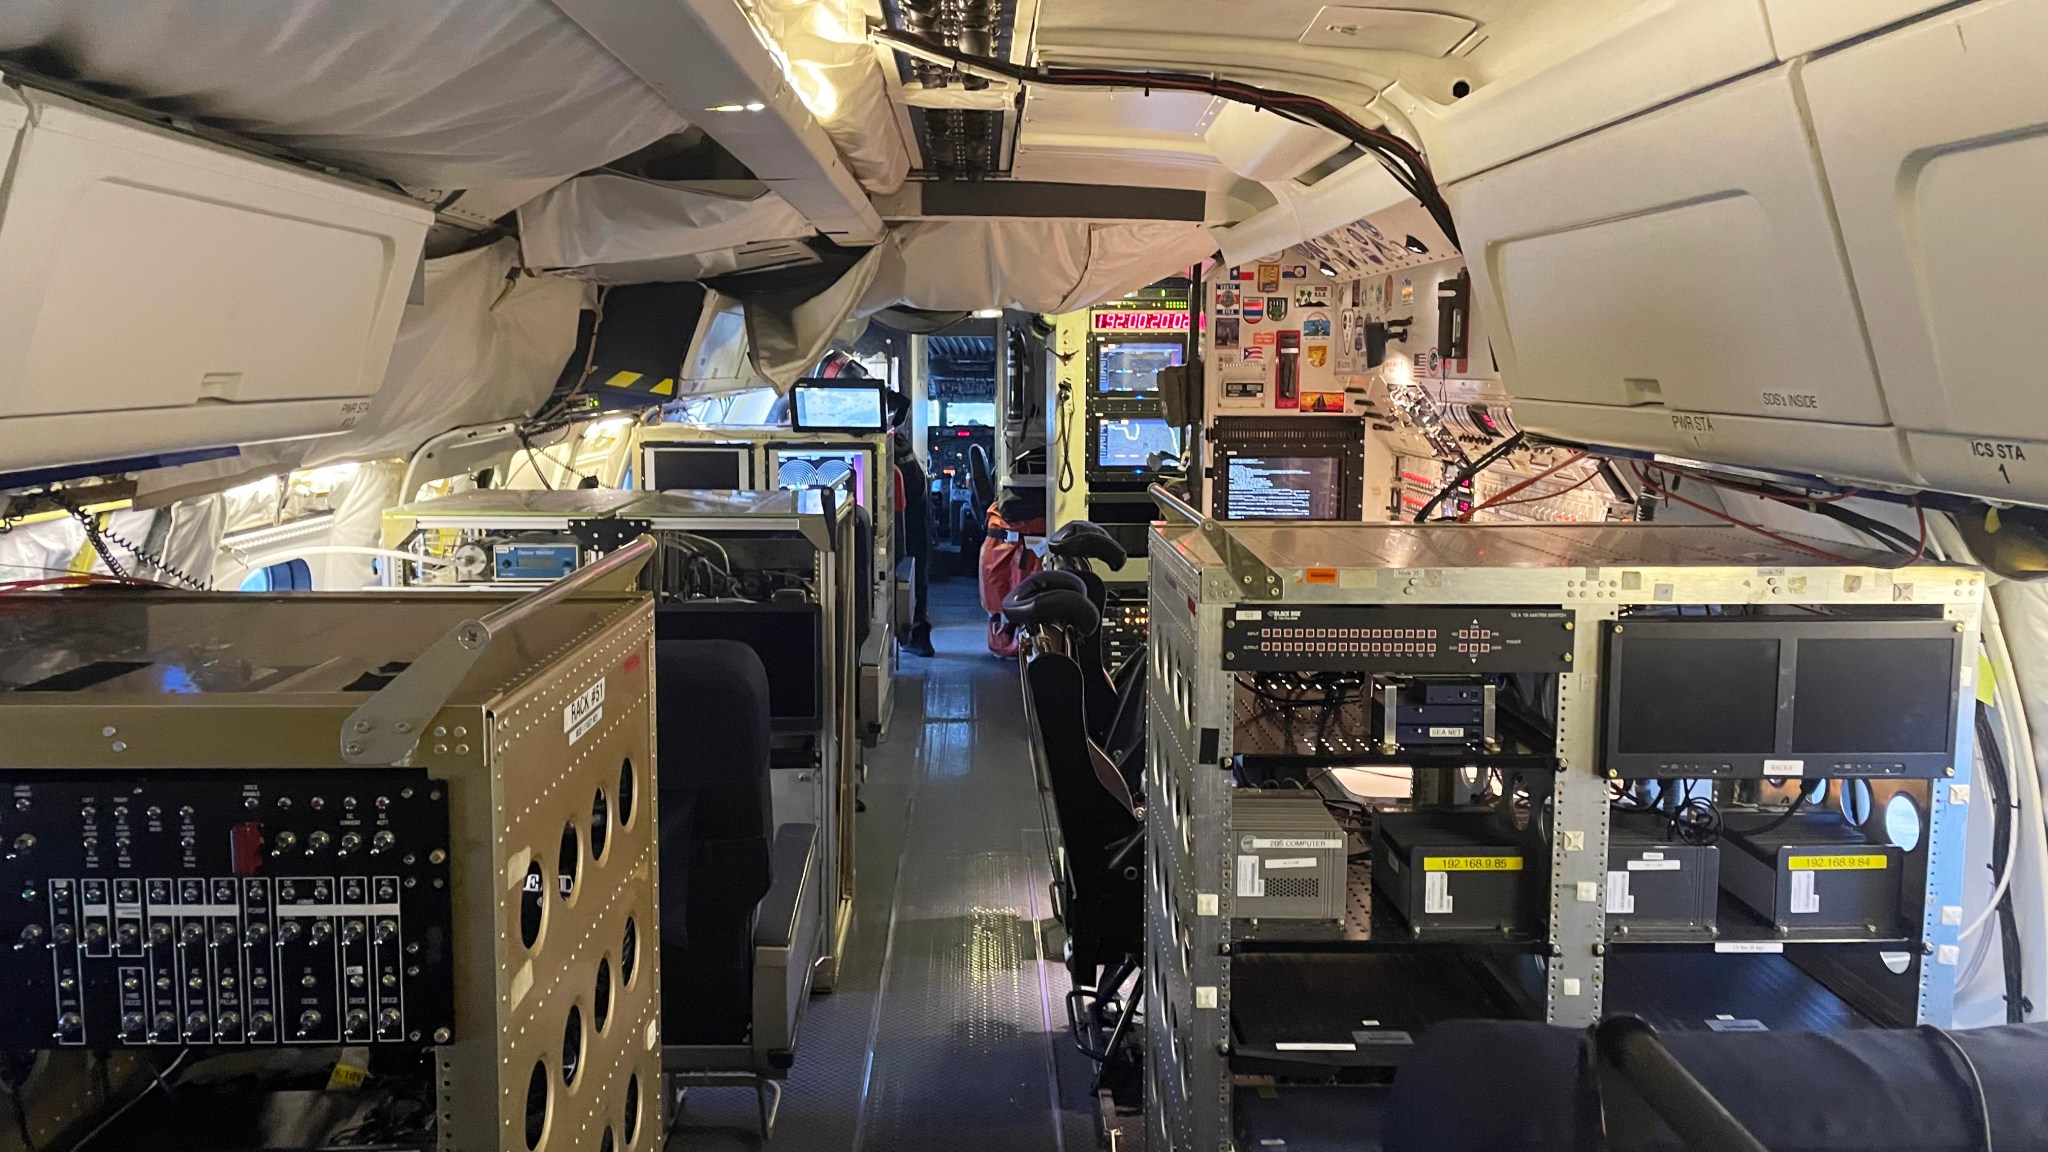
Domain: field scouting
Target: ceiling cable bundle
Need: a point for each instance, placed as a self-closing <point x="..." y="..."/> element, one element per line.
<point x="1402" y="160"/>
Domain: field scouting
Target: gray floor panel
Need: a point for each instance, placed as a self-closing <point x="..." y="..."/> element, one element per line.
<point x="948" y="1029"/>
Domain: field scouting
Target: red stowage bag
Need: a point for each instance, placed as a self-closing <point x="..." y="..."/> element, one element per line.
<point x="1005" y="563"/>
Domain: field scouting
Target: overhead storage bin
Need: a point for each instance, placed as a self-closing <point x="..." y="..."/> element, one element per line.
<point x="1935" y="139"/>
<point x="164" y="294"/>
<point x="1675" y="283"/>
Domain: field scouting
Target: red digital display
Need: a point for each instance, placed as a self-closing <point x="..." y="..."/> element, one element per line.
<point x="1136" y="321"/>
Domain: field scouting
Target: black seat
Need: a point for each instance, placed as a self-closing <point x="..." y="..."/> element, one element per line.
<point x="1053" y="598"/>
<point x="981" y="480"/>
<point x="1086" y="540"/>
<point x="716" y="827"/>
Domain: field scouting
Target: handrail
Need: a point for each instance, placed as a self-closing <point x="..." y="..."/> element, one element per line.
<point x="386" y="729"/>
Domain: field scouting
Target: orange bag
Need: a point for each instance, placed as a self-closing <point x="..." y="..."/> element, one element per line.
<point x="1005" y="563"/>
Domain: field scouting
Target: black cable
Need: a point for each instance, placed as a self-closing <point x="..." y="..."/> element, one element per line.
<point x="534" y="458"/>
<point x="1791" y="810"/>
<point x="1999" y="782"/>
<point x="1402" y="160"/>
<point x="1976" y="1080"/>
<point x="1464" y="475"/>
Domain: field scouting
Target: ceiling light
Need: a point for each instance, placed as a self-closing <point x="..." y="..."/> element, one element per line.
<point x="751" y="106"/>
<point x="1415" y="246"/>
<point x="1327" y="270"/>
<point x="988" y="313"/>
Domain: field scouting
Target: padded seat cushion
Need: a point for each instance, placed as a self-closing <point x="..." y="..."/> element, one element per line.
<point x="1086" y="540"/>
<point x="1052" y="598"/>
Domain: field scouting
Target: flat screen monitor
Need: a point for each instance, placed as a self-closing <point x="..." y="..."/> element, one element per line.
<point x="1131" y="444"/>
<point x="1748" y="697"/>
<point x="855" y="405"/>
<point x="720" y="467"/>
<point x="785" y="636"/>
<point x="1284" y="488"/>
<point x="820" y="467"/>
<point x="1132" y="367"/>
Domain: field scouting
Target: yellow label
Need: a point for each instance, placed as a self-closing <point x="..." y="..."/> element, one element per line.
<point x="1987" y="682"/>
<point x="1845" y="863"/>
<point x="347" y="1076"/>
<point x="1471" y="863"/>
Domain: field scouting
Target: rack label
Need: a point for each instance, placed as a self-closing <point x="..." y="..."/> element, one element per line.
<point x="1857" y="862"/>
<point x="1436" y="894"/>
<point x="1296" y="843"/>
<point x="1471" y="863"/>
<point x="1620" y="902"/>
<point x="1283" y="862"/>
<point x="584" y="712"/>
<point x="1805" y="897"/>
<point x="1784" y="767"/>
<point x="1249" y="882"/>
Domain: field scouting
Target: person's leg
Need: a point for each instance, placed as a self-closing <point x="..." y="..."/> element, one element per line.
<point x="918" y="530"/>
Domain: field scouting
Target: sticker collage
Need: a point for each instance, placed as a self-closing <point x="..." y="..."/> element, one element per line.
<point x="1287" y="338"/>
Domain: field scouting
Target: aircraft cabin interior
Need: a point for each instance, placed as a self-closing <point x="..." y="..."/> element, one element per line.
<point x="1024" y="576"/>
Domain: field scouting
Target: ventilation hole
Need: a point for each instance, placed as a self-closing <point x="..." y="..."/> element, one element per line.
<point x="600" y="824"/>
<point x="1461" y="89"/>
<point x="536" y="1105"/>
<point x="626" y="792"/>
<point x="632" y="1109"/>
<point x="601" y="998"/>
<point x="572" y="1045"/>
<point x="531" y="905"/>
<point x="605" y="1142"/>
<point x="629" y="956"/>
<point x="565" y="864"/>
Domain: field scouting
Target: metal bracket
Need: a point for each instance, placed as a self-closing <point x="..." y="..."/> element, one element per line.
<point x="386" y="728"/>
<point x="1248" y="573"/>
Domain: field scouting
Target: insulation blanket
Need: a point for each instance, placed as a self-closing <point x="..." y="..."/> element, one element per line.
<point x="441" y="95"/>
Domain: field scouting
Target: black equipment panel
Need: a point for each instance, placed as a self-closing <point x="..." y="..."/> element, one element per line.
<point x="1364" y="638"/>
<point x="190" y="908"/>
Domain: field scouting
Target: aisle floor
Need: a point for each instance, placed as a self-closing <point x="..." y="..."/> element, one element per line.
<point x="948" y="1027"/>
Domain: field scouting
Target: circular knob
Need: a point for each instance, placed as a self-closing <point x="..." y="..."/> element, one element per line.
<point x="309" y="1021"/>
<point x="69" y="1023"/>
<point x="224" y="931"/>
<point x="387" y="930"/>
<point x="290" y="930"/>
<point x="95" y="933"/>
<point x="32" y="934"/>
<point x="193" y="933"/>
<point x="357" y="1020"/>
<point x="129" y="934"/>
<point x="196" y="1024"/>
<point x="389" y="1020"/>
<point x="382" y="842"/>
<point x="160" y="932"/>
<point x="25" y="842"/>
<point x="131" y="1022"/>
<point x="322" y="930"/>
<point x="318" y="842"/>
<point x="131" y="983"/>
<point x="351" y="931"/>
<point x="262" y="1022"/>
<point x="230" y="1022"/>
<point x="162" y="1023"/>
<point x="388" y="980"/>
<point x="285" y="842"/>
<point x="258" y="930"/>
<point x="65" y="932"/>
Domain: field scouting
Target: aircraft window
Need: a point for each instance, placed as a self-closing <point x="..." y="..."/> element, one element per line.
<point x="1855" y="801"/>
<point x="1902" y="822"/>
<point x="290" y="576"/>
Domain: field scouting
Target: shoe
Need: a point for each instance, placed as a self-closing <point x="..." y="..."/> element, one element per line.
<point x="920" y="642"/>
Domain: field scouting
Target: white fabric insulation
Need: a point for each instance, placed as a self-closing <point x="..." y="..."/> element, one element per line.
<point x="1048" y="266"/>
<point x="615" y="229"/>
<point x="444" y="95"/>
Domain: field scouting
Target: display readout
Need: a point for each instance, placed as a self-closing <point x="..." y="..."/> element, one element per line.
<point x="1134" y="320"/>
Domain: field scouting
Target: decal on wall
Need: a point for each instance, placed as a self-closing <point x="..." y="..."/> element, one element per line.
<point x="1407" y="290"/>
<point x="1226" y="297"/>
<point x="1276" y="308"/>
<point x="1254" y="354"/>
<point x="1312" y="295"/>
<point x="1347" y="359"/>
<point x="1315" y="324"/>
<point x="1226" y="332"/>
<point x="1318" y="354"/>
<point x="1295" y="272"/>
<point x="1324" y="402"/>
<point x="1254" y="309"/>
<point x="1269" y="278"/>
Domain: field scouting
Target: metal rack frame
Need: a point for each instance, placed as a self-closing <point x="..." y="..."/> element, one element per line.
<point x="1200" y="568"/>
